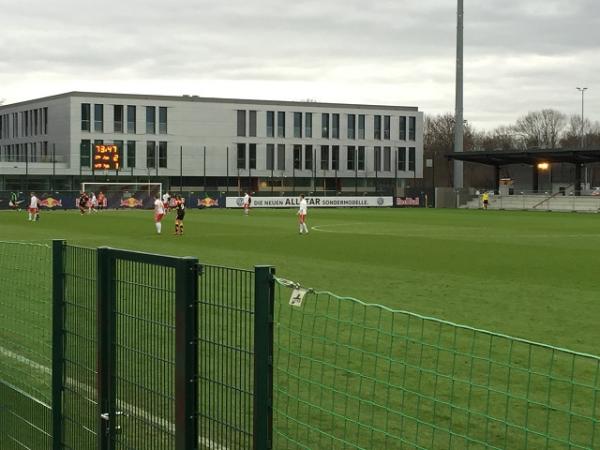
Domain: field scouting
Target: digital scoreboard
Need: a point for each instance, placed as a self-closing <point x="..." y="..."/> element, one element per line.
<point x="107" y="157"/>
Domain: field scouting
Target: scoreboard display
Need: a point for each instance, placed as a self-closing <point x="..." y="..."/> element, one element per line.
<point x="107" y="157"/>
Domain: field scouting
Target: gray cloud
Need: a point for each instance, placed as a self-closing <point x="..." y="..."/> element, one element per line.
<point x="520" y="54"/>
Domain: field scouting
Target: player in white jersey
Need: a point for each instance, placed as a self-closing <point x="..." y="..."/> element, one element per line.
<point x="166" y="198"/>
<point x="34" y="205"/>
<point x="159" y="213"/>
<point x="246" y="202"/>
<point x="302" y="211"/>
<point x="93" y="203"/>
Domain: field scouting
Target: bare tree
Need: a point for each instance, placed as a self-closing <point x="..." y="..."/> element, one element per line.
<point x="541" y="128"/>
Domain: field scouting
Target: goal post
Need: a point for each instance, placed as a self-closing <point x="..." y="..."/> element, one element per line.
<point x="125" y="195"/>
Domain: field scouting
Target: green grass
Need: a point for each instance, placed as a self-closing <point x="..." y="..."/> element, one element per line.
<point x="530" y="275"/>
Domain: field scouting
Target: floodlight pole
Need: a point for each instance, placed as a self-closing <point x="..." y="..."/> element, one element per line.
<point x="458" y="116"/>
<point x="582" y="90"/>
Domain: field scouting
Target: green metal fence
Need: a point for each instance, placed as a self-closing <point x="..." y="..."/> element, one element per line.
<point x="77" y="353"/>
<point x="132" y="350"/>
<point x="25" y="345"/>
<point x="350" y="375"/>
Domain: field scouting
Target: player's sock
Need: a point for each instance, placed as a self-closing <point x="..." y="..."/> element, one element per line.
<point x="176" y="229"/>
<point x="305" y="228"/>
<point x="158" y="227"/>
<point x="29" y="216"/>
<point x="181" y="229"/>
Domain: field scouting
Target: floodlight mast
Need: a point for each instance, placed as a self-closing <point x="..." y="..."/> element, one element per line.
<point x="458" y="116"/>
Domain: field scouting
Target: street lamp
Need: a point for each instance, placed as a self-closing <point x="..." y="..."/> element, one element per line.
<point x="582" y="90"/>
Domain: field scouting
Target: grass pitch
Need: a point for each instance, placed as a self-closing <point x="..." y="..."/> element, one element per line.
<point x="531" y="275"/>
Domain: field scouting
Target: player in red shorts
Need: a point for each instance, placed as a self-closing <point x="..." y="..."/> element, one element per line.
<point x="159" y="213"/>
<point x="246" y="203"/>
<point x="34" y="208"/>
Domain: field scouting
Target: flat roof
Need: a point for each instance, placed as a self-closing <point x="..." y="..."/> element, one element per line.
<point x="195" y="98"/>
<point x="531" y="157"/>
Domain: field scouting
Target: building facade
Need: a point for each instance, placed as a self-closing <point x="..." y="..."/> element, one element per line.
<point x="210" y="143"/>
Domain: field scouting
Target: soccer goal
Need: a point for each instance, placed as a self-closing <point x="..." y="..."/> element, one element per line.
<point x="125" y="195"/>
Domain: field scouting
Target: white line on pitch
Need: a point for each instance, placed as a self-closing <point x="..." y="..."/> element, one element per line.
<point x="133" y="410"/>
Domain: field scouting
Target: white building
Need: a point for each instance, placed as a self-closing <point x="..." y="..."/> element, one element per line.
<point x="210" y="143"/>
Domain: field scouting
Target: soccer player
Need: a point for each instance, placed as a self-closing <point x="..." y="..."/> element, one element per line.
<point x="101" y="200"/>
<point x="302" y="215"/>
<point x="166" y="198"/>
<point x="247" y="202"/>
<point x="83" y="201"/>
<point x="159" y="213"/>
<point x="180" y="211"/>
<point x="14" y="201"/>
<point x="94" y="203"/>
<point x="34" y="208"/>
<point x="486" y="199"/>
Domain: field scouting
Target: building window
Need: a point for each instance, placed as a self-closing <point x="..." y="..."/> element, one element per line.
<point x="281" y="156"/>
<point x="386" y="127"/>
<point x="308" y="125"/>
<point x="252" y="157"/>
<point x="351" y="158"/>
<point x="376" y="127"/>
<point x="150" y="120"/>
<point x="402" y="159"/>
<point x="387" y="159"/>
<point x="412" y="128"/>
<point x="151" y="154"/>
<point x="118" y="118"/>
<point x="131" y="154"/>
<point x="36" y="121"/>
<point x="45" y="121"/>
<point x="351" y="126"/>
<point x="402" y="135"/>
<point x="270" y="123"/>
<point x="377" y="159"/>
<point x="297" y="157"/>
<point x="297" y="125"/>
<point x="252" y="124"/>
<point x="281" y="124"/>
<point x="270" y="156"/>
<point x="85" y="155"/>
<point x="241" y="156"/>
<point x="411" y="159"/>
<point x="335" y="157"/>
<point x="324" y="157"/>
<point x="308" y="157"/>
<point x="26" y="124"/>
<point x="99" y="118"/>
<point x="45" y="154"/>
<point x="162" y="120"/>
<point x="131" y="119"/>
<point x="162" y="154"/>
<point x="361" y="158"/>
<point x="85" y="117"/>
<point x="335" y="126"/>
<point x="325" y="125"/>
<point x="241" y="122"/>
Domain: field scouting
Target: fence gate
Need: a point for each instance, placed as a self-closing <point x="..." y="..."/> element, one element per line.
<point x="147" y="350"/>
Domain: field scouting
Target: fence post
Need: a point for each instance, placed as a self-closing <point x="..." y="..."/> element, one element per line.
<point x="264" y="296"/>
<point x="58" y="352"/>
<point x="186" y="354"/>
<point x="106" y="330"/>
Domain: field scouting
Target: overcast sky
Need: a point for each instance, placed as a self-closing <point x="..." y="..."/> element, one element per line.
<point x="520" y="55"/>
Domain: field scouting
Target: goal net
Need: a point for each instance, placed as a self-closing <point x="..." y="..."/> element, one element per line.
<point x="124" y="195"/>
